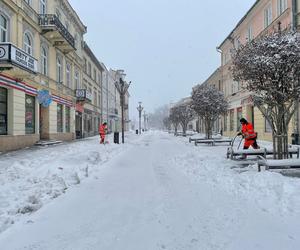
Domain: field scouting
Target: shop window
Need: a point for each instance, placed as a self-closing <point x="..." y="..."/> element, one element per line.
<point x="3" y="111"/>
<point x="3" y="29"/>
<point x="59" y="118"/>
<point x="29" y="114"/>
<point x="68" y="118"/>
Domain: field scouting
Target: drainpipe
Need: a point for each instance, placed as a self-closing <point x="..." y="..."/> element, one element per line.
<point x="222" y="84"/>
<point x="294" y="28"/>
<point x="294" y="14"/>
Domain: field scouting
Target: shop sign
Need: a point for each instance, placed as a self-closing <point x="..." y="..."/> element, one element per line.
<point x="12" y="54"/>
<point x="83" y="94"/>
<point x="44" y="98"/>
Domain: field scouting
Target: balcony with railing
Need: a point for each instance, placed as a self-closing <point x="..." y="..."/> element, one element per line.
<point x="57" y="33"/>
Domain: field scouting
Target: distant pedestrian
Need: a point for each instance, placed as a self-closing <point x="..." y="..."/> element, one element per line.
<point x="102" y="132"/>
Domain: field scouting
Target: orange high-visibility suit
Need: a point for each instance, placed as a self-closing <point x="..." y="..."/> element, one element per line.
<point x="102" y="132"/>
<point x="249" y="135"/>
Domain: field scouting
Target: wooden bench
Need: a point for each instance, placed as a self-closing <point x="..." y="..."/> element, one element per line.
<point x="233" y="153"/>
<point x="278" y="164"/>
<point x="212" y="141"/>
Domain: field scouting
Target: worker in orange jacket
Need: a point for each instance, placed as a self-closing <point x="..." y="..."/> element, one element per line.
<point x="248" y="134"/>
<point x="102" y="132"/>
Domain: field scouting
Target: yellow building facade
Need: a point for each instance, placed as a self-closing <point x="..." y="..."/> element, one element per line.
<point x="41" y="66"/>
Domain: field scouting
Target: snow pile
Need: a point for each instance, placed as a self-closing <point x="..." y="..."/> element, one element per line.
<point x="270" y="191"/>
<point x="32" y="177"/>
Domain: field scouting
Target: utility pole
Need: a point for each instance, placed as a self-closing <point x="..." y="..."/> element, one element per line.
<point x="140" y="109"/>
<point x="122" y="88"/>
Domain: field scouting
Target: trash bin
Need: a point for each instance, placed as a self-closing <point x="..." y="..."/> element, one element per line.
<point x="137" y="131"/>
<point x="116" y="137"/>
<point x="295" y="138"/>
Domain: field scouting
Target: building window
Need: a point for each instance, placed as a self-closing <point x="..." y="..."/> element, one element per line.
<point x="67" y="25"/>
<point x="238" y="118"/>
<point x="268" y="128"/>
<point x="68" y="75"/>
<point x="3" y="111"/>
<point x="28" y="41"/>
<point x="85" y="66"/>
<point x="59" y="69"/>
<point x="95" y="98"/>
<point x="281" y="6"/>
<point x="95" y="75"/>
<point x="89" y="69"/>
<point x="58" y="14"/>
<point x="99" y="100"/>
<point x="76" y="78"/>
<point x="44" y="60"/>
<point x="29" y="114"/>
<point x="76" y="41"/>
<point x="268" y="16"/>
<point x="68" y="118"/>
<point x="59" y="118"/>
<point x="43" y="7"/>
<point x="3" y="29"/>
<point x="225" y="122"/>
<point x="249" y="34"/>
<point x="28" y="2"/>
<point x="231" y="117"/>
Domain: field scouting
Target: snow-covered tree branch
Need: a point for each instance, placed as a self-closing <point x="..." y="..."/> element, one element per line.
<point x="209" y="104"/>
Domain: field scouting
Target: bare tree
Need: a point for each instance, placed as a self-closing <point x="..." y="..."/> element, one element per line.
<point x="270" y="68"/>
<point x="186" y="114"/>
<point x="209" y="104"/>
<point x="167" y="123"/>
<point x="174" y="118"/>
<point x="156" y="119"/>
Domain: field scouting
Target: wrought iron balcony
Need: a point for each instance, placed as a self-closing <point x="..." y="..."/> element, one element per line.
<point x="56" y="32"/>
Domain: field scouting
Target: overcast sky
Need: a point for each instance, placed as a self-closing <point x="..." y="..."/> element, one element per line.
<point x="165" y="46"/>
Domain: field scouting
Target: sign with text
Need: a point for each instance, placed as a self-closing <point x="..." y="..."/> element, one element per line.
<point x="18" y="57"/>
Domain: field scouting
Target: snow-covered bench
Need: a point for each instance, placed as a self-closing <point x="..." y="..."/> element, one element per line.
<point x="233" y="153"/>
<point x="292" y="151"/>
<point x="212" y="141"/>
<point x="182" y="134"/>
<point x="196" y="139"/>
<point x="278" y="164"/>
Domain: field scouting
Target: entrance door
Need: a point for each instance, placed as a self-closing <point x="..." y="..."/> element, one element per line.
<point x="78" y="125"/>
<point x="44" y="123"/>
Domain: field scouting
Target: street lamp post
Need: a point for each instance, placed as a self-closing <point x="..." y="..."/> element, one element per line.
<point x="145" y="121"/>
<point x="140" y="109"/>
<point x="122" y="88"/>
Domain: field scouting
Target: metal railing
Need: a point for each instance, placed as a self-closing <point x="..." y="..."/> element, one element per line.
<point x="52" y="20"/>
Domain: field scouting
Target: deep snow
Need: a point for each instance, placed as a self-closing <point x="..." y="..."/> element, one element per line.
<point x="156" y="192"/>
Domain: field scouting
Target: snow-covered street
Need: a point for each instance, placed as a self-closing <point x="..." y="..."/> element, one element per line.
<point x="155" y="192"/>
